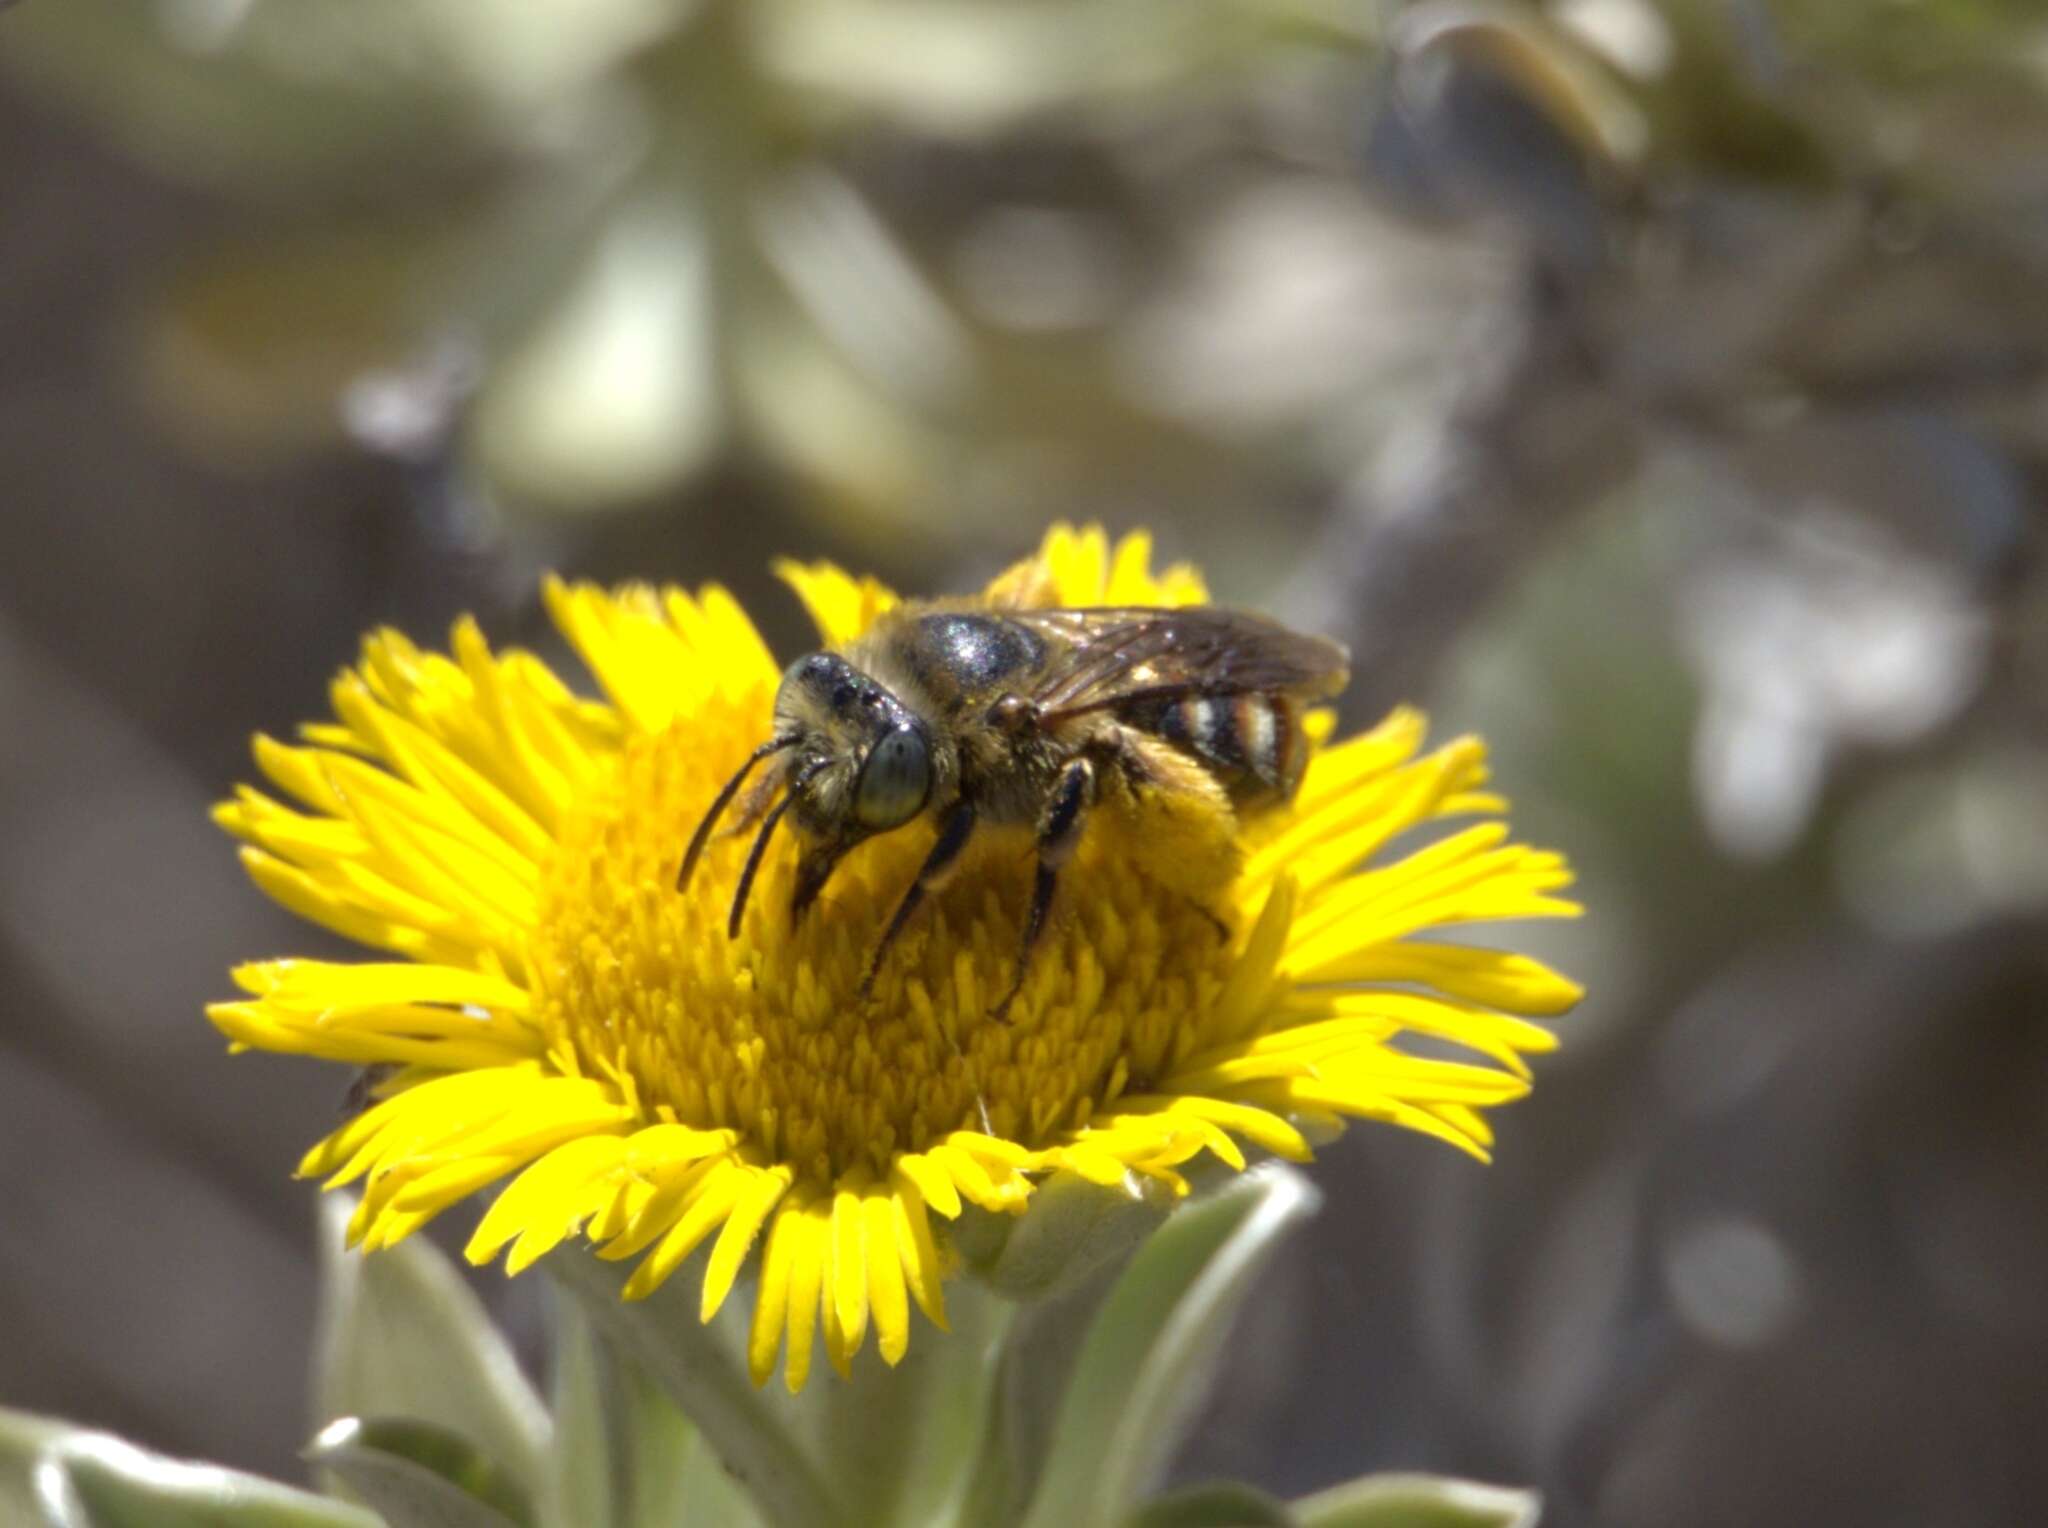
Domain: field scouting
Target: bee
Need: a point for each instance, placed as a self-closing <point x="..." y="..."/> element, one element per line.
<point x="983" y="715"/>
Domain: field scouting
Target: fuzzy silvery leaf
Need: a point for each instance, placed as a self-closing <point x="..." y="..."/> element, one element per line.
<point x="420" y="1476"/>
<point x="54" y="1475"/>
<point x="1144" y="1362"/>
<point x="1073" y="1228"/>
<point x="1053" y="1412"/>
<point x="1225" y="1504"/>
<point x="401" y="1335"/>
<point x="624" y="1455"/>
<point x="1418" y="1501"/>
<point x="699" y="1367"/>
<point x="889" y="1445"/>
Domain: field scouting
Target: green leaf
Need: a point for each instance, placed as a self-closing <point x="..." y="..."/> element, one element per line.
<point x="590" y="1460"/>
<point x="1072" y="1229"/>
<point x="977" y="69"/>
<point x="614" y="393"/>
<point x="890" y="1445"/>
<point x="1418" y="1501"/>
<point x="1061" y="1257"/>
<point x="418" y="1475"/>
<point x="59" y="1476"/>
<point x="906" y="1439"/>
<point x="1139" y="1373"/>
<point x="23" y="1439"/>
<point x="1225" y="1504"/>
<point x="401" y="1335"/>
<point x="625" y="1456"/>
<point x="1041" y="1347"/>
<point x="699" y="1367"/>
<point x="1085" y="1387"/>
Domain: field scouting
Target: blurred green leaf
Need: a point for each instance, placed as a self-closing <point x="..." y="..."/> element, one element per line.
<point x="418" y="1475"/>
<point x="401" y="1335"/>
<point x="1924" y="44"/>
<point x="588" y="1478"/>
<point x="1141" y="1370"/>
<point x="1221" y="1505"/>
<point x="893" y="1445"/>
<point x="1041" y="1344"/>
<point x="287" y="99"/>
<point x="1110" y="1365"/>
<point x="624" y="1456"/>
<point x="613" y="395"/>
<point x="1418" y="1501"/>
<point x="700" y="1369"/>
<point x="59" y="1476"/>
<point x="1074" y="1227"/>
<point x="22" y="1441"/>
<point x="907" y="1438"/>
<point x="972" y="67"/>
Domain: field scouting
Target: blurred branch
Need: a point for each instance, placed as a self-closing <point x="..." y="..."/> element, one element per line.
<point x="1535" y="438"/>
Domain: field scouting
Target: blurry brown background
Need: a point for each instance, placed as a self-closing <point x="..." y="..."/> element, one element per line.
<point x="1657" y="388"/>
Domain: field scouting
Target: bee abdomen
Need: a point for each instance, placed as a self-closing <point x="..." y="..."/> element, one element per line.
<point x="1252" y="743"/>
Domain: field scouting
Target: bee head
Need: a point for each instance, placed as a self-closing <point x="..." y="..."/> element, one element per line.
<point x="853" y="761"/>
<point x="861" y="762"/>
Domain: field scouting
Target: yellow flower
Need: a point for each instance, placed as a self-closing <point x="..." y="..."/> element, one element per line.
<point x="563" y="1018"/>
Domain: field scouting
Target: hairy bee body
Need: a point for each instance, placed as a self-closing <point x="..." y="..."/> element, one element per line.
<point x="981" y="714"/>
<point x="953" y="666"/>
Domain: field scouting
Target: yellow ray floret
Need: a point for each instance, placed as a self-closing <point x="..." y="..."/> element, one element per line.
<point x="564" y="1023"/>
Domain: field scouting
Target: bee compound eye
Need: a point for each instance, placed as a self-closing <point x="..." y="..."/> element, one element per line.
<point x="895" y="780"/>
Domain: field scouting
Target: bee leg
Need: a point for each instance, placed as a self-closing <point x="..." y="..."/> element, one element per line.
<point x="953" y="835"/>
<point x="1059" y="830"/>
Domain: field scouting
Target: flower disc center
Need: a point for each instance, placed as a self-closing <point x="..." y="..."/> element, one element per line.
<point x="766" y="1033"/>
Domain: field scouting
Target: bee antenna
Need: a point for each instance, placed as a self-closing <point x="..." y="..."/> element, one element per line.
<point x="768" y="825"/>
<point x="720" y="802"/>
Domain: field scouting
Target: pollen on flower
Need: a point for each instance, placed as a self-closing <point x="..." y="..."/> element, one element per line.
<point x="562" y="1022"/>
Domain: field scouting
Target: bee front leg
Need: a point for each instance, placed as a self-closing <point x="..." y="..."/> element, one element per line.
<point x="1059" y="830"/>
<point x="953" y="835"/>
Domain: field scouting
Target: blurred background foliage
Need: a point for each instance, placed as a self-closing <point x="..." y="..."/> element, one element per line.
<point x="1660" y="388"/>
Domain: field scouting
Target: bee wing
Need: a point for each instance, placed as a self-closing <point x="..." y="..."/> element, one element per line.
<point x="1113" y="654"/>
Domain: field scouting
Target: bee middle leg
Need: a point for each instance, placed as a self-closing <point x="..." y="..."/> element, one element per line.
<point x="1059" y="830"/>
<point x="953" y="835"/>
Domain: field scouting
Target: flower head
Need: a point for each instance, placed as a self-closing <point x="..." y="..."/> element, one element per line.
<point x="563" y="1018"/>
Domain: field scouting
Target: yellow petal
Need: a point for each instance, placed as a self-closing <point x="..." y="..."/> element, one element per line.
<point x="749" y="1212"/>
<point x="807" y="1292"/>
<point x="888" y="1300"/>
<point x="847" y="1294"/>
<point x="933" y="1183"/>
<point x="771" y="1305"/>
<point x="563" y="1200"/>
<point x="706" y="1209"/>
<point x="841" y="606"/>
<point x="921" y="1267"/>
